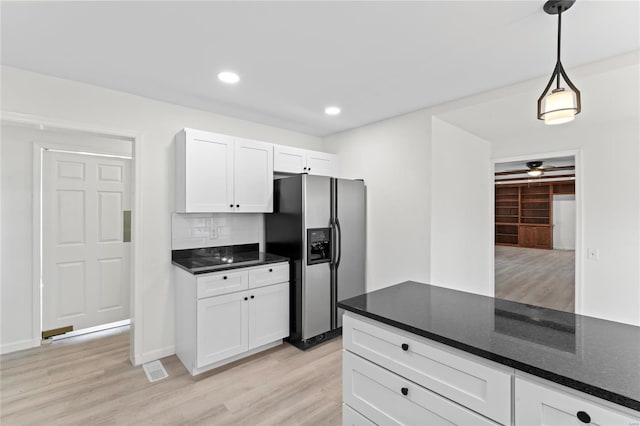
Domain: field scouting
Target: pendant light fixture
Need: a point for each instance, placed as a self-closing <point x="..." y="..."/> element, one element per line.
<point x="561" y="105"/>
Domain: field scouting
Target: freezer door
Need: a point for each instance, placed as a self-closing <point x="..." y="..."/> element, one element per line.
<point x="316" y="293"/>
<point x="351" y="240"/>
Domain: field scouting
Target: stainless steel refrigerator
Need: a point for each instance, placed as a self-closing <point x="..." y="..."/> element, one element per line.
<point x="319" y="223"/>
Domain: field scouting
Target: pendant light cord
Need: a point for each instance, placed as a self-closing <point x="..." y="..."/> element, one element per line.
<point x="559" y="35"/>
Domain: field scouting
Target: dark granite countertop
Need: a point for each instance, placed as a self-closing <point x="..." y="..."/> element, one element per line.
<point x="595" y="356"/>
<point x="213" y="259"/>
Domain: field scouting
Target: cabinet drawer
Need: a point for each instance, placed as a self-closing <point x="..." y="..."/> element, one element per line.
<point x="351" y="417"/>
<point x="222" y="283"/>
<point x="537" y="404"/>
<point x="480" y="387"/>
<point x="388" y="399"/>
<point x="270" y="274"/>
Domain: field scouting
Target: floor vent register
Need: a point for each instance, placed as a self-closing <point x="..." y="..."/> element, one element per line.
<point x="155" y="371"/>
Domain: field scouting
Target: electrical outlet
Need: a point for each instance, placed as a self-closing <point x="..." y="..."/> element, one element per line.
<point x="593" y="254"/>
<point x="198" y="232"/>
<point x="223" y="231"/>
<point x="213" y="234"/>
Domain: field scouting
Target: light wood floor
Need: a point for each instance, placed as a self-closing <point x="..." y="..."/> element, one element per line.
<point x="537" y="277"/>
<point x="89" y="381"/>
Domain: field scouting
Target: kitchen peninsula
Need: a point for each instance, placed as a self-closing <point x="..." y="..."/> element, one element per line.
<point x="420" y="354"/>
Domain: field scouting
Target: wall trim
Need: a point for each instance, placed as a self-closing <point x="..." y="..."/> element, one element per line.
<point x="579" y="174"/>
<point x="154" y="355"/>
<point x="19" y="346"/>
<point x="136" y="138"/>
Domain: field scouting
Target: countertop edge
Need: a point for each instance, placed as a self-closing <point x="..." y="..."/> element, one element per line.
<point x="279" y="259"/>
<point x="535" y="371"/>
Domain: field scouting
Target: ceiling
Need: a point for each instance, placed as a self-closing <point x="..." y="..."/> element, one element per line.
<point x="373" y="59"/>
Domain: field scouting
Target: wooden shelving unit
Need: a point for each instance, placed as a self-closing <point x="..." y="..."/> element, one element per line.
<point x="524" y="213"/>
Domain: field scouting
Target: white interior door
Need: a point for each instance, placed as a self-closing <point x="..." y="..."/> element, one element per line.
<point x="85" y="260"/>
<point x="564" y="222"/>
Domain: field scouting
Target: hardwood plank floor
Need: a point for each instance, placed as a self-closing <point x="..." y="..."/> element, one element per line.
<point x="89" y="381"/>
<point x="535" y="276"/>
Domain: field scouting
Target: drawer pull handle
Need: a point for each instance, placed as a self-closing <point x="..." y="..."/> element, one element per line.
<point x="404" y="391"/>
<point x="246" y="298"/>
<point x="252" y="296"/>
<point x="230" y="205"/>
<point x="583" y="417"/>
<point x="270" y="270"/>
<point x="405" y="347"/>
<point x="224" y="278"/>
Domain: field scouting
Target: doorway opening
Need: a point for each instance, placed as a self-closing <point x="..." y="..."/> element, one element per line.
<point x="24" y="141"/>
<point x="535" y="231"/>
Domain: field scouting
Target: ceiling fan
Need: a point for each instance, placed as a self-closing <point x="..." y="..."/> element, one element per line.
<point x="535" y="168"/>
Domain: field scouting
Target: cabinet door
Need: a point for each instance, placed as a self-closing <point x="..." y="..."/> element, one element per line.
<point x="289" y="160"/>
<point x="537" y="405"/>
<point x="525" y="236"/>
<point x="321" y="163"/>
<point x="208" y="172"/>
<point x="253" y="176"/>
<point x="268" y="314"/>
<point x="222" y="327"/>
<point x="542" y="237"/>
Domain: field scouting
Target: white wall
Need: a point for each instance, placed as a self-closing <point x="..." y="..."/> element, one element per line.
<point x="392" y="156"/>
<point x="461" y="210"/>
<point x="157" y="123"/>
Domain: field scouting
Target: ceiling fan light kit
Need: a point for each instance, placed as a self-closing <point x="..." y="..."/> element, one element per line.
<point x="560" y="105"/>
<point x="535" y="168"/>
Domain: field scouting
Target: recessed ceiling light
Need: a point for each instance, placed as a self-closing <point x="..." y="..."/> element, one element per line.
<point x="332" y="110"/>
<point x="228" y="77"/>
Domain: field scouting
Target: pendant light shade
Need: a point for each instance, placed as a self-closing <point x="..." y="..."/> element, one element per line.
<point x="561" y="104"/>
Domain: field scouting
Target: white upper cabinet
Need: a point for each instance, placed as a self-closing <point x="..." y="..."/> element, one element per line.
<point x="220" y="173"/>
<point x="253" y="176"/>
<point x="287" y="159"/>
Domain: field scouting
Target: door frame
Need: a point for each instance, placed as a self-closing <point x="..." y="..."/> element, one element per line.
<point x="579" y="261"/>
<point x="136" y="138"/>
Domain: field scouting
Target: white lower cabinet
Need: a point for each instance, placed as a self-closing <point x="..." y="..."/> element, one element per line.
<point x="538" y="404"/>
<point x="393" y="377"/>
<point x="264" y="326"/>
<point x="389" y="399"/>
<point x="351" y="417"/>
<point x="222" y="327"/>
<point x="213" y="329"/>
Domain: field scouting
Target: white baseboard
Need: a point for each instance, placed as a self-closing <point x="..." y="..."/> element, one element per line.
<point x="153" y="355"/>
<point x="19" y="346"/>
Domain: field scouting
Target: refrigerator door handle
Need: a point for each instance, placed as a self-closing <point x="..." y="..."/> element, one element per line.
<point x="338" y="242"/>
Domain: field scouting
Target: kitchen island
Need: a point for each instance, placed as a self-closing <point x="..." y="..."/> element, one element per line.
<point x="420" y="354"/>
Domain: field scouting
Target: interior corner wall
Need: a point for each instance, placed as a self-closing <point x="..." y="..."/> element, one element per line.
<point x="157" y="123"/>
<point x="461" y="210"/>
<point x="392" y="156"/>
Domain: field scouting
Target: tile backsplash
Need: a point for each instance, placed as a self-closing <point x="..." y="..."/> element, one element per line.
<point x="193" y="230"/>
